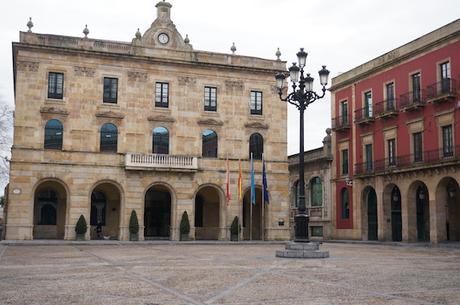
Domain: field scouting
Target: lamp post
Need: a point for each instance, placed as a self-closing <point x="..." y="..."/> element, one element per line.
<point x="301" y="96"/>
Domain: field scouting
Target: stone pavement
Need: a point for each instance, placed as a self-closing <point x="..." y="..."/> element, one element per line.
<point x="236" y="274"/>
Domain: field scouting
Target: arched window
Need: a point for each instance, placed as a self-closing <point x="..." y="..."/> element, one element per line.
<point x="98" y="208"/>
<point x="160" y="141"/>
<point x="47" y="202"/>
<point x="209" y="139"/>
<point x="296" y="194"/>
<point x="109" y="138"/>
<point x="345" y="203"/>
<point x="256" y="146"/>
<point x="53" y="134"/>
<point x="316" y="192"/>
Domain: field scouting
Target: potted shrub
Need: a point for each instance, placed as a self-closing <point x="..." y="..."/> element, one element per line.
<point x="184" y="227"/>
<point x="235" y="229"/>
<point x="81" y="227"/>
<point x="133" y="227"/>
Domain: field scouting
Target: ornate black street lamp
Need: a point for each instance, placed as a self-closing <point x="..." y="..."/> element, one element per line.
<point x="301" y="96"/>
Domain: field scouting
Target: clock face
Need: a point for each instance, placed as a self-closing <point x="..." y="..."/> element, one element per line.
<point x="163" y="38"/>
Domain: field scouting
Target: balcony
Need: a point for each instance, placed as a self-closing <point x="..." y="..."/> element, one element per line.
<point x="443" y="91"/>
<point x="340" y="123"/>
<point x="412" y="101"/>
<point x="160" y="162"/>
<point x="431" y="158"/>
<point x="364" y="116"/>
<point x="386" y="109"/>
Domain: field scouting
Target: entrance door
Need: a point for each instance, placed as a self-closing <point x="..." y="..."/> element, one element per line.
<point x="422" y="214"/>
<point x="157" y="214"/>
<point x="396" y="219"/>
<point x="372" y="215"/>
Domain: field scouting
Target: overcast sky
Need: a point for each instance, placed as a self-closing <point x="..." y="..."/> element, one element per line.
<point x="339" y="34"/>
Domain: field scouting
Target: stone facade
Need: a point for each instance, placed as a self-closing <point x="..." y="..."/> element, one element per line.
<point x="396" y="143"/>
<point x="74" y="180"/>
<point x="318" y="199"/>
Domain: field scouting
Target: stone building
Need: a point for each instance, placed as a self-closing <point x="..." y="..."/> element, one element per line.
<point x="317" y="168"/>
<point x="103" y="128"/>
<point x="396" y="119"/>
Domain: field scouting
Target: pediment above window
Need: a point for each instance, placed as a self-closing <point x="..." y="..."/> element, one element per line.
<point x="161" y="118"/>
<point x="54" y="110"/>
<point x="110" y="114"/>
<point x="210" y="122"/>
<point x="256" y="125"/>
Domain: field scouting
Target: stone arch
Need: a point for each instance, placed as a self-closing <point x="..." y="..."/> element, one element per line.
<point x="114" y="207"/>
<point x="209" y="212"/>
<point x="418" y="208"/>
<point x="50" y="211"/>
<point x="392" y="213"/>
<point x="369" y="214"/>
<point x="254" y="216"/>
<point x="448" y="209"/>
<point x="158" y="211"/>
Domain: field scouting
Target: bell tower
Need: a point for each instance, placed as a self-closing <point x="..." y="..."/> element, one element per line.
<point x="163" y="10"/>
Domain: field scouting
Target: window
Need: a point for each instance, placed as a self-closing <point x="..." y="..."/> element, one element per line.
<point x="345" y="203"/>
<point x="162" y="95"/>
<point x="297" y="193"/>
<point x="368" y="104"/>
<point x="344" y="112"/>
<point x="417" y="145"/>
<point x="210" y="99"/>
<point x="416" y="94"/>
<point x="316" y="192"/>
<point x="444" y="69"/>
<point x="160" y="141"/>
<point x="53" y="134"/>
<point x="110" y="90"/>
<point x="55" y="85"/>
<point x="390" y="94"/>
<point x="447" y="145"/>
<point x="98" y="208"/>
<point x="368" y="153"/>
<point x="345" y="162"/>
<point x="109" y="138"/>
<point x="316" y="231"/>
<point x="391" y="151"/>
<point x="209" y="147"/>
<point x="256" y="146"/>
<point x="256" y="102"/>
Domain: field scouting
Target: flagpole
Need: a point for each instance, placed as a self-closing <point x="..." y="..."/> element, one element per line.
<point x="250" y="202"/>
<point x="262" y="223"/>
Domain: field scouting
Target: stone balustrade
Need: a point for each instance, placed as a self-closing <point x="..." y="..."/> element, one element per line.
<point x="160" y="162"/>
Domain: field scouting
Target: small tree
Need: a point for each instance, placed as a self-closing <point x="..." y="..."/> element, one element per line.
<point x="133" y="223"/>
<point x="81" y="226"/>
<point x="184" y="224"/>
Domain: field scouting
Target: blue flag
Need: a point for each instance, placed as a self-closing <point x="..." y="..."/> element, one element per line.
<point x="253" y="185"/>
<point x="264" y="182"/>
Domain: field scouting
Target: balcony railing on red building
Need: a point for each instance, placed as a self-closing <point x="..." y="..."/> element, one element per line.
<point x="429" y="157"/>
<point x="412" y="100"/>
<point x="340" y="123"/>
<point x="364" y="115"/>
<point x="386" y="108"/>
<point x="442" y="91"/>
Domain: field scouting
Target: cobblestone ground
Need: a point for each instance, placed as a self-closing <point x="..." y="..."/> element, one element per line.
<point x="170" y="274"/>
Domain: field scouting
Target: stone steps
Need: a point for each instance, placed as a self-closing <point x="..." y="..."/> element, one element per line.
<point x="302" y="250"/>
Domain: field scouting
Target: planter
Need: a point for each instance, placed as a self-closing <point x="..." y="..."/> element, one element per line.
<point x="80" y="237"/>
<point x="133" y="237"/>
<point x="234" y="237"/>
<point x="184" y="237"/>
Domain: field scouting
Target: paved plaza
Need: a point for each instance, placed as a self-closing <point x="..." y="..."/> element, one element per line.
<point x="170" y="274"/>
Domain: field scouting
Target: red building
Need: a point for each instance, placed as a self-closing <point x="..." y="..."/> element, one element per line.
<point x="396" y="143"/>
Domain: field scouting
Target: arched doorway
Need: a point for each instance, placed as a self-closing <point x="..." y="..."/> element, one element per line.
<point x="207" y="214"/>
<point x="448" y="208"/>
<point x="253" y="218"/>
<point x="105" y="208"/>
<point x="50" y="205"/>
<point x="157" y="213"/>
<point x="370" y="213"/>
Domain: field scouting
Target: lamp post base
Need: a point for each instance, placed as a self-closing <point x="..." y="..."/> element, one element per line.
<point x="301" y="228"/>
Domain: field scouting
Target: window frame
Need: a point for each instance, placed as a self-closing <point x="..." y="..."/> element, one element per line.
<point x="53" y="141"/>
<point x="344" y="112"/>
<point x="256" y="146"/>
<point x="207" y="153"/>
<point x="447" y="141"/>
<point x="345" y="162"/>
<point x="163" y="139"/>
<point x="345" y="204"/>
<point x="368" y="106"/>
<point x="108" y="94"/>
<point x="416" y="86"/>
<point x="208" y="100"/>
<point x="391" y="146"/>
<point x="390" y="96"/>
<point x="54" y="94"/>
<point x="161" y="100"/>
<point x="417" y="144"/>
<point x="312" y="183"/>
<point x="368" y="151"/>
<point x="256" y="104"/>
<point x="108" y="147"/>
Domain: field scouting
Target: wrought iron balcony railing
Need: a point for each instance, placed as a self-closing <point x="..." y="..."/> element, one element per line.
<point x="412" y="100"/>
<point x="386" y="108"/>
<point x="442" y="91"/>
<point x="364" y="115"/>
<point x="341" y="123"/>
<point x="430" y="157"/>
<point x="160" y="162"/>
